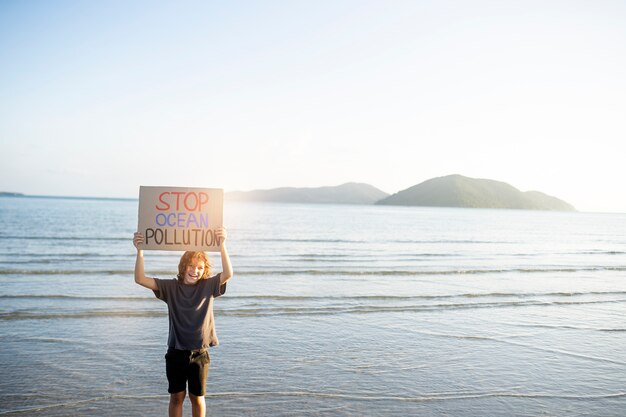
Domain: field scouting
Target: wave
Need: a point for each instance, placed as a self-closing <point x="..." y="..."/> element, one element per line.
<point x="69" y="272"/>
<point x="567" y="326"/>
<point x="366" y="309"/>
<point x="129" y="272"/>
<point x="461" y="271"/>
<point x="301" y="298"/>
<point x="396" y="298"/>
<point x="33" y="315"/>
<point x="332" y="258"/>
<point x="329" y="272"/>
<point x="401" y="241"/>
<point x="338" y="395"/>
<point x="63" y="238"/>
<point x="599" y="252"/>
<point x="299" y="310"/>
<point x="63" y="259"/>
<point x="435" y="396"/>
<point x="72" y="297"/>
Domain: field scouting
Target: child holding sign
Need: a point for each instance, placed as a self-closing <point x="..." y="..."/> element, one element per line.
<point x="189" y="301"/>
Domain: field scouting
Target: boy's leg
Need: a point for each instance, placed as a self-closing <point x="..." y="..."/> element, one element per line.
<point x="198" y="405"/>
<point x="176" y="364"/>
<point x="176" y="404"/>
<point x="198" y="371"/>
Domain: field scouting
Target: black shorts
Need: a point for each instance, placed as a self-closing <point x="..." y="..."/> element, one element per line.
<point x="187" y="367"/>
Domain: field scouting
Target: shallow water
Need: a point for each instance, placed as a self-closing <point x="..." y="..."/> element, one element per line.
<point x="334" y="310"/>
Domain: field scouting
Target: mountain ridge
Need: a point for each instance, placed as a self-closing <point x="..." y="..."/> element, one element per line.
<point x="447" y="191"/>
<point x="460" y="191"/>
<point x="348" y="193"/>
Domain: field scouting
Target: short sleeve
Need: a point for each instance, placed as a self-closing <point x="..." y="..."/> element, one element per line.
<point x="162" y="292"/>
<point x="218" y="289"/>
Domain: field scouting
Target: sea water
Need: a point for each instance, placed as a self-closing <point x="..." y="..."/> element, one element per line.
<point x="334" y="310"/>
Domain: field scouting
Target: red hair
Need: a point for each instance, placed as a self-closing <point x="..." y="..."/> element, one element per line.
<point x="190" y="256"/>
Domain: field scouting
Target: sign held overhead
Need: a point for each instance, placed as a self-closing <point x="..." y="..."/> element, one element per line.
<point x="180" y="219"/>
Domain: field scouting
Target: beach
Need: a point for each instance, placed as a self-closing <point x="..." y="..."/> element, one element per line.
<point x="334" y="310"/>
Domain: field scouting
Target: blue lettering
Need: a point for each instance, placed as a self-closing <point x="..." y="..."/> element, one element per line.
<point x="162" y="217"/>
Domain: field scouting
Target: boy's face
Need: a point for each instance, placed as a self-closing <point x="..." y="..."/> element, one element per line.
<point x="194" y="271"/>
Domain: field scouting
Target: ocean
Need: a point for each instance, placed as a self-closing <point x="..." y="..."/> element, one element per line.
<point x="334" y="310"/>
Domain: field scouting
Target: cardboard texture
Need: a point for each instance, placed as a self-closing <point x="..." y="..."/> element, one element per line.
<point x="180" y="219"/>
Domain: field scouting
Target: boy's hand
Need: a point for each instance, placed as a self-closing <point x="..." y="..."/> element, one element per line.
<point x="221" y="234"/>
<point x="138" y="240"/>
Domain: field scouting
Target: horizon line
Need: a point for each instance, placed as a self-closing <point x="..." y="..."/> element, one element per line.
<point x="8" y="194"/>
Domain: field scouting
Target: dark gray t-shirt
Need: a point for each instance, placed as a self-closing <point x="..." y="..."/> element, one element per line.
<point x="190" y="310"/>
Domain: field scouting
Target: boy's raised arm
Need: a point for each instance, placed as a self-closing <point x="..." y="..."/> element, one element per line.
<point x="140" y="277"/>
<point x="227" y="268"/>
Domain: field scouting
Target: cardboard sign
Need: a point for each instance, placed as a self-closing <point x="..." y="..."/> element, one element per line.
<point x="180" y="219"/>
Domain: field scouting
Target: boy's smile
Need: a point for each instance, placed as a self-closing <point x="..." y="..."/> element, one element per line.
<point x="194" y="272"/>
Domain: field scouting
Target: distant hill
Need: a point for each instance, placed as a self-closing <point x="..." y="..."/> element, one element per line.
<point x="349" y="193"/>
<point x="460" y="191"/>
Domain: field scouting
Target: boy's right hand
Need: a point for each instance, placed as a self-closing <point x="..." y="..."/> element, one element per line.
<point x="138" y="240"/>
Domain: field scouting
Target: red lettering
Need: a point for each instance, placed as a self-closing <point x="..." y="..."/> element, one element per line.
<point x="195" y="197"/>
<point x="190" y="201"/>
<point x="203" y="200"/>
<point x="167" y="205"/>
<point x="178" y="194"/>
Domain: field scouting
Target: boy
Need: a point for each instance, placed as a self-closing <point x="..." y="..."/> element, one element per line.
<point x="189" y="301"/>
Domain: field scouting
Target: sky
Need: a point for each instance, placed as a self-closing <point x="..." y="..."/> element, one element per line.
<point x="100" y="97"/>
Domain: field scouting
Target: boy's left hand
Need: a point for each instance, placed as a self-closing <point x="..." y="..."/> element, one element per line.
<point x="221" y="234"/>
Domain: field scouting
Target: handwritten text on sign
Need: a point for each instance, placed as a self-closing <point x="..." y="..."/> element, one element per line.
<point x="173" y="218"/>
